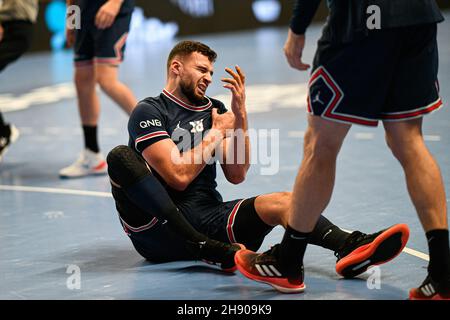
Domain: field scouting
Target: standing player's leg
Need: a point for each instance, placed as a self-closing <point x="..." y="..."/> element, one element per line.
<point x="90" y="160"/>
<point x="356" y="251"/>
<point x="107" y="78"/>
<point x="414" y="92"/>
<point x="109" y="54"/>
<point x="17" y="36"/>
<point x="426" y="189"/>
<point x="88" y="105"/>
<point x="312" y="193"/>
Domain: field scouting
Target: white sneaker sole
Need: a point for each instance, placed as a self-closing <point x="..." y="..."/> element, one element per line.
<point x="85" y="174"/>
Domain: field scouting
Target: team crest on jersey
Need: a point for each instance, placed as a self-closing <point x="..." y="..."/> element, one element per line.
<point x="197" y="126"/>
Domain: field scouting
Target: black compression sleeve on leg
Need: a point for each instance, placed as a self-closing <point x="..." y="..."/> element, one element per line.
<point x="328" y="235"/>
<point x="130" y="171"/>
<point x="150" y="196"/>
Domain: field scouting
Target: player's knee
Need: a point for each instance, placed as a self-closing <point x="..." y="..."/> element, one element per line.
<point x="320" y="147"/>
<point x="106" y="80"/>
<point x="104" y="83"/>
<point x="285" y="198"/>
<point x="84" y="77"/>
<point x="125" y="167"/>
<point x="405" y="149"/>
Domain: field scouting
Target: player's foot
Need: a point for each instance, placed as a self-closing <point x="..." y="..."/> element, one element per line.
<point x="431" y="290"/>
<point x="265" y="267"/>
<point x="8" y="136"/>
<point x="362" y="251"/>
<point x="88" y="163"/>
<point x="216" y="253"/>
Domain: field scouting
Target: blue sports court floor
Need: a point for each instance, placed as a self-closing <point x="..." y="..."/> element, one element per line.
<point x="51" y="228"/>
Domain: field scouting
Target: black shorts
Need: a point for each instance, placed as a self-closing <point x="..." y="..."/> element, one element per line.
<point x="16" y="41"/>
<point x="93" y="45"/>
<point x="232" y="221"/>
<point x="391" y="76"/>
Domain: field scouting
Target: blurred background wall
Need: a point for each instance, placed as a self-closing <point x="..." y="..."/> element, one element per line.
<point x="158" y="20"/>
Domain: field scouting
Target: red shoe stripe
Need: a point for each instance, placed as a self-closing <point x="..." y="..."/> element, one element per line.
<point x="100" y="166"/>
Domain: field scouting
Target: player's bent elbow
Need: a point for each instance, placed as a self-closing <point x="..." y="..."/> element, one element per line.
<point x="178" y="183"/>
<point x="236" y="178"/>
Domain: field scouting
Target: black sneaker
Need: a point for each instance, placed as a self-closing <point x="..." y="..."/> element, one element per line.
<point x="216" y="253"/>
<point x="265" y="267"/>
<point x="431" y="290"/>
<point x="8" y="137"/>
<point x="362" y="251"/>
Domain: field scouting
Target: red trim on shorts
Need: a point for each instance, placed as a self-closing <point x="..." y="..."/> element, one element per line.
<point x="231" y="219"/>
<point x="308" y="104"/>
<point x="142" y="228"/>
<point x="117" y="49"/>
<point x="328" y="112"/>
<point x="84" y="63"/>
<point x="414" y="113"/>
<point x="111" y="60"/>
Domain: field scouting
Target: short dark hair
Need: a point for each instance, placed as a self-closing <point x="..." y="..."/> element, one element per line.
<point x="185" y="48"/>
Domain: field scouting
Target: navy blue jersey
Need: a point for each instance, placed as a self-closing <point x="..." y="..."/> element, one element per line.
<point x="90" y="7"/>
<point x="166" y="117"/>
<point x="348" y="18"/>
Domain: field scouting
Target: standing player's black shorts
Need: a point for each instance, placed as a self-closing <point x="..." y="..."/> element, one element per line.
<point x="391" y="75"/>
<point x="229" y="222"/>
<point x="101" y="46"/>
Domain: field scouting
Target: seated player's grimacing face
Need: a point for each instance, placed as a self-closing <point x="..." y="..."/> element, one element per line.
<point x="195" y="76"/>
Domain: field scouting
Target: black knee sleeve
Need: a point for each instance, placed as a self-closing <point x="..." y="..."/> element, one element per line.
<point x="126" y="167"/>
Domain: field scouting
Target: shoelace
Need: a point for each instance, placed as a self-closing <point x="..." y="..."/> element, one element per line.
<point x="350" y="244"/>
<point x="272" y="250"/>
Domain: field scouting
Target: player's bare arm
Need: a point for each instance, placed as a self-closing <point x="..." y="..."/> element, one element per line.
<point x="179" y="169"/>
<point x="236" y="148"/>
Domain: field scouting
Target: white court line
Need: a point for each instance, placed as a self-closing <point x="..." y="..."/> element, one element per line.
<point x="432" y="138"/>
<point x="54" y="190"/>
<point x="296" y="134"/>
<point x="407" y="250"/>
<point x="364" y="136"/>
<point x="417" y="254"/>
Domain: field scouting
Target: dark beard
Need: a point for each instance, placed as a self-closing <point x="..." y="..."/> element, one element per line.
<point x="188" y="91"/>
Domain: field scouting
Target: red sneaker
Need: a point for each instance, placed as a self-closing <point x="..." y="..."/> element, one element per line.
<point x="431" y="290"/>
<point x="362" y="251"/>
<point x="265" y="268"/>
